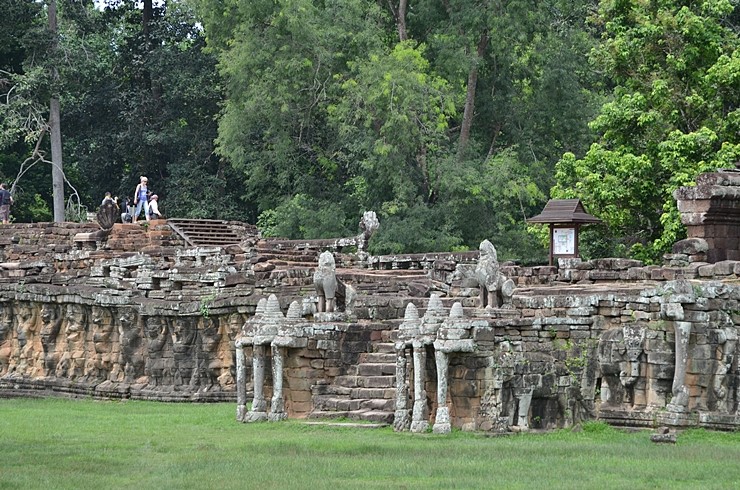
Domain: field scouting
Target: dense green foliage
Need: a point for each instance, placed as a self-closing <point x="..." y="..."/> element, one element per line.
<point x="87" y="444"/>
<point x="445" y="119"/>
<point x="453" y="120"/>
<point x="674" y="114"/>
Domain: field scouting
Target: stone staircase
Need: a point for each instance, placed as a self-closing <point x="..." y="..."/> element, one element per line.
<point x="280" y="253"/>
<point x="366" y="392"/>
<point x="204" y="232"/>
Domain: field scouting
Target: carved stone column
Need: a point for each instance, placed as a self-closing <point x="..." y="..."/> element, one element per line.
<point x="241" y="382"/>
<point x="401" y="418"/>
<point x="277" y="407"/>
<point x="420" y="415"/>
<point x="259" y="404"/>
<point x="680" y="401"/>
<point x="442" y="419"/>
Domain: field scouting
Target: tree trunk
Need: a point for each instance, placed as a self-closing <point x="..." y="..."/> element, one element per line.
<point x="146" y="18"/>
<point x="467" y="121"/>
<point x="399" y="14"/>
<point x="57" y="168"/>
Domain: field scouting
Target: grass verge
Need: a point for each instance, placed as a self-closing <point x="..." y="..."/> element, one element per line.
<point x="59" y="443"/>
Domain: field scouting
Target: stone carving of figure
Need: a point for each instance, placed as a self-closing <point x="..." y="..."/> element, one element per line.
<point x="725" y="340"/>
<point x="184" y="337"/>
<point x="231" y="326"/>
<point x="6" y="327"/>
<point x="368" y="224"/>
<point x="325" y="281"/>
<point x="51" y="323"/>
<point x="26" y="350"/>
<point x="495" y="289"/>
<point x="210" y="365"/>
<point x="619" y="353"/>
<point x="155" y="365"/>
<point x="100" y="364"/>
<point x="108" y="214"/>
<point x="131" y="355"/>
<point x="72" y="363"/>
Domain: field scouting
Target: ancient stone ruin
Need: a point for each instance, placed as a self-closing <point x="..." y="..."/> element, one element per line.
<point x="205" y="310"/>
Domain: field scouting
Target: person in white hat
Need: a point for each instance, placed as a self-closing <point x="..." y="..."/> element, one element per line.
<point x="154" y="207"/>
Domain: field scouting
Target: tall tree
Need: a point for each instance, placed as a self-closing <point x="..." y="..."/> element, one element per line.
<point x="674" y="113"/>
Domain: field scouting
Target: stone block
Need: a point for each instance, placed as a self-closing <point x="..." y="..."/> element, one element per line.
<point x="300" y="395"/>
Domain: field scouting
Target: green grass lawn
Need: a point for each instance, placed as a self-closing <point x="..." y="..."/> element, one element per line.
<point x="57" y="443"/>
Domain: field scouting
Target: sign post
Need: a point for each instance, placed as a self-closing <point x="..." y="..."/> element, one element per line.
<point x="565" y="217"/>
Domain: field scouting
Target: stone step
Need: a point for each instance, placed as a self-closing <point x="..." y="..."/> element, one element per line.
<point x="384" y="348"/>
<point x="379" y="357"/>
<point x="331" y="390"/>
<point x="373" y="393"/>
<point x="378" y="404"/>
<point x="366" y="381"/>
<point x="336" y="404"/>
<point x="328" y="414"/>
<point x="376" y="369"/>
<point x="372" y="415"/>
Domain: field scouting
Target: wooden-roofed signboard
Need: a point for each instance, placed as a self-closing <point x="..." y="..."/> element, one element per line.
<point x="565" y="217"/>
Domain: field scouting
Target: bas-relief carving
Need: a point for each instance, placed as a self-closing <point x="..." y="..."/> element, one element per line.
<point x="620" y="354"/>
<point x="6" y="330"/>
<point x="209" y="363"/>
<point x="184" y="335"/>
<point x="131" y="345"/>
<point x="226" y="354"/>
<point x="71" y="364"/>
<point x="157" y="364"/>
<point x="105" y="346"/>
<point x="92" y="344"/>
<point x="723" y="385"/>
<point x="51" y="323"/>
<point x="27" y="346"/>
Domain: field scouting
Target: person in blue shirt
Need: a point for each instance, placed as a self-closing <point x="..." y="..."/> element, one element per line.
<point x="141" y="199"/>
<point x="6" y="199"/>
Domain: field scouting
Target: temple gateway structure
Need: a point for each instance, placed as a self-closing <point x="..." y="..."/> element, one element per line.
<point x="199" y="310"/>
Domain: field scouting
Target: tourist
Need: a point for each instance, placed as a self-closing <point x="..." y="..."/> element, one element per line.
<point x="5" y="201"/>
<point x="154" y="208"/>
<point x="141" y="199"/>
<point x="127" y="211"/>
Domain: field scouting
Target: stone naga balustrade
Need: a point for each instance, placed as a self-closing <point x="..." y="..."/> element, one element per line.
<point x="267" y="328"/>
<point x="446" y="335"/>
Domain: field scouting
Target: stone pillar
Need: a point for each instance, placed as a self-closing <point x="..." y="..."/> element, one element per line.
<point x="241" y="382"/>
<point x="711" y="212"/>
<point x="420" y="415"/>
<point x="524" y="395"/>
<point x="259" y="404"/>
<point x="442" y="419"/>
<point x="401" y="418"/>
<point x="680" y="400"/>
<point x="277" y="407"/>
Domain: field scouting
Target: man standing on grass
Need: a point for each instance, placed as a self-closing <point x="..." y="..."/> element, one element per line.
<point x="5" y="201"/>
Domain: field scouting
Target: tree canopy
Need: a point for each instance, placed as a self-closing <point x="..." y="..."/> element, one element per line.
<point x="673" y="114"/>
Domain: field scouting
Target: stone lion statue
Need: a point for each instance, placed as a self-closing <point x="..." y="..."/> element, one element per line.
<point x="495" y="288"/>
<point x="325" y="281"/>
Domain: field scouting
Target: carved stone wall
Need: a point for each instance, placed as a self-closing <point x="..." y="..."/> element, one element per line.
<point x="137" y="315"/>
